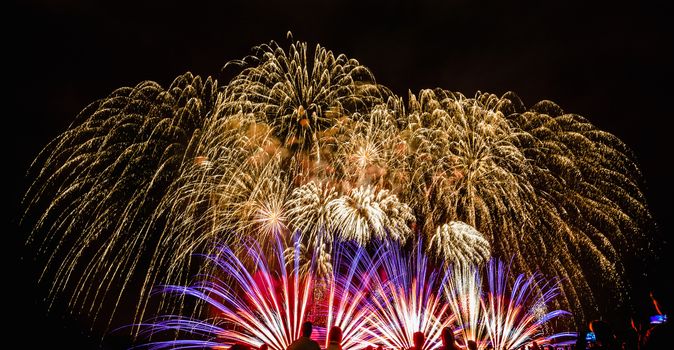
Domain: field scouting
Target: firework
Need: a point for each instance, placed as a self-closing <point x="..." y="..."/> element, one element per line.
<point x="460" y="244"/>
<point x="367" y="213"/>
<point x="407" y="298"/>
<point x="264" y="304"/>
<point x="349" y="293"/>
<point x="379" y="298"/>
<point x="306" y="142"/>
<point x="300" y="97"/>
<point x="502" y="315"/>
<point x="463" y="292"/>
<point x="308" y="208"/>
<point x="513" y="315"/>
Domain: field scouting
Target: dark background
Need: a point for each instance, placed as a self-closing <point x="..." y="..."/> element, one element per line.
<point x="610" y="63"/>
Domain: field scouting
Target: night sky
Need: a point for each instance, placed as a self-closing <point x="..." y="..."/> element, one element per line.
<point x="609" y="63"/>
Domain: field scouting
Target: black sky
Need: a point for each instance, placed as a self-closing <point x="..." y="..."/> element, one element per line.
<point x="610" y="63"/>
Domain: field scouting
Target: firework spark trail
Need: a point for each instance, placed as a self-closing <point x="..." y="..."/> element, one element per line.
<point x="306" y="141"/>
<point x="264" y="304"/>
<point x="378" y="298"/>
<point x="298" y="102"/>
<point x="407" y="299"/>
<point x="348" y="295"/>
<point x="105" y="173"/>
<point x="467" y="163"/>
<point x="511" y="314"/>
<point x="580" y="169"/>
<point x="463" y="292"/>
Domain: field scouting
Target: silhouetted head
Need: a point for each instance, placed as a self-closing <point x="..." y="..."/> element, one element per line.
<point x="239" y="347"/>
<point x="418" y="340"/>
<point x="602" y="331"/>
<point x="580" y="339"/>
<point x="306" y="329"/>
<point x="335" y="335"/>
<point x="263" y="347"/>
<point x="447" y="336"/>
<point x="472" y="345"/>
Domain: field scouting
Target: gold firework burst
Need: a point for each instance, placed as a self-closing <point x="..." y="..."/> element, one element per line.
<point x="306" y="141"/>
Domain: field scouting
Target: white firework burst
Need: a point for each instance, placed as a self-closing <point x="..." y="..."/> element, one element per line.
<point x="308" y="212"/>
<point x="460" y="244"/>
<point x="368" y="213"/>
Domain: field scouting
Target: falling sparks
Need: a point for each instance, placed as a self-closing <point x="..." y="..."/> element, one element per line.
<point x="304" y="141"/>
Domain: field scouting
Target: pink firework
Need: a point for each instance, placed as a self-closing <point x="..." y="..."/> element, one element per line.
<point x="265" y="302"/>
<point x="515" y="316"/>
<point x="406" y="297"/>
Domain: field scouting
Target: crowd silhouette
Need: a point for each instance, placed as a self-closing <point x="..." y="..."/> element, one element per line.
<point x="598" y="336"/>
<point x="335" y="339"/>
<point x="655" y="337"/>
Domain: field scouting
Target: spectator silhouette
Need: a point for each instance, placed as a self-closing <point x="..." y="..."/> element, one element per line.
<point x="630" y="338"/>
<point x="472" y="345"/>
<point x="419" y="340"/>
<point x="604" y="335"/>
<point x="238" y="346"/>
<point x="448" y="341"/>
<point x="581" y="342"/>
<point x="304" y="342"/>
<point x="334" y="339"/>
<point x="263" y="347"/>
